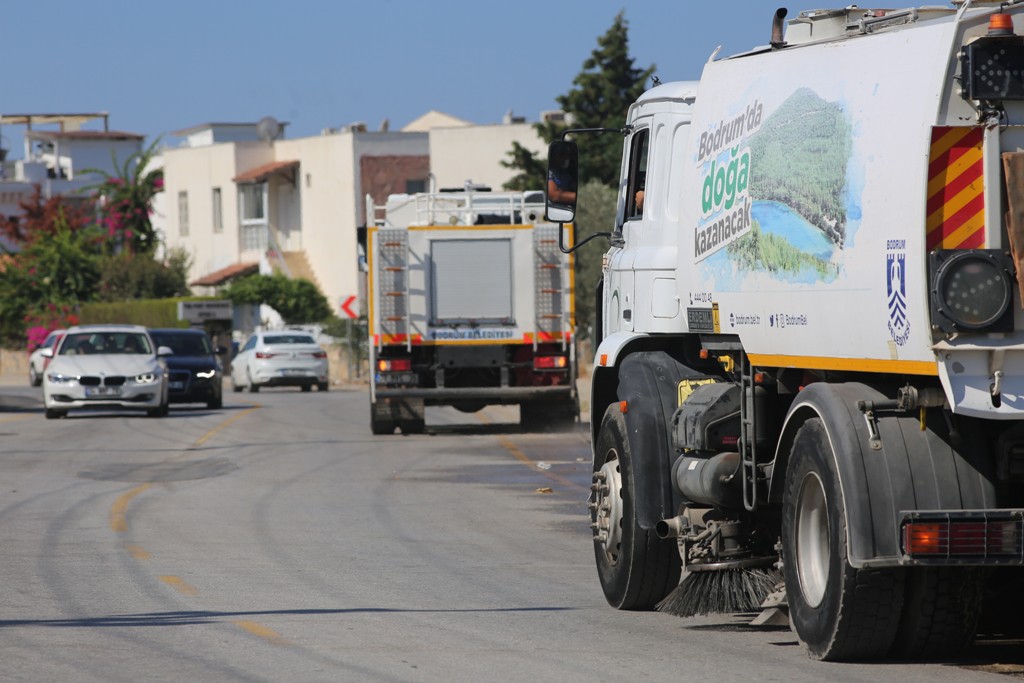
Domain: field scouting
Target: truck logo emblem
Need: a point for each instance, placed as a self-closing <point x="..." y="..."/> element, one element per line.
<point x="896" y="286"/>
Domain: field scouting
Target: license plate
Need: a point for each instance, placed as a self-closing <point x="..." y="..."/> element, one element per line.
<point x="102" y="391"/>
<point x="398" y="378"/>
<point x="293" y="373"/>
<point x="177" y="385"/>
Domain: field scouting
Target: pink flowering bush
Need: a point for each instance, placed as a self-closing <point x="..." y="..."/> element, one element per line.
<point x="45" y="319"/>
<point x="126" y="203"/>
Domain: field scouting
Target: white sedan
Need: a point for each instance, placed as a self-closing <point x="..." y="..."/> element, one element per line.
<point x="282" y="358"/>
<point x="106" y="367"/>
<point x="38" y="361"/>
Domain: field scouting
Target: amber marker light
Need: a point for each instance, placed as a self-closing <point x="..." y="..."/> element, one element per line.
<point x="623" y="407"/>
<point x="923" y="539"/>
<point x="1000" y="25"/>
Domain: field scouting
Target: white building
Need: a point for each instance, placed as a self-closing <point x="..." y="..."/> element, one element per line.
<point x="239" y="195"/>
<point x="55" y="159"/>
<point x="240" y="198"/>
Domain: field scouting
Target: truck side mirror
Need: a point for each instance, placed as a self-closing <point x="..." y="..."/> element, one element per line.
<point x="563" y="179"/>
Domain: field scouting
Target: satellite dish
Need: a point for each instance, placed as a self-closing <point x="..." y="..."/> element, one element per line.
<point x="269" y="129"/>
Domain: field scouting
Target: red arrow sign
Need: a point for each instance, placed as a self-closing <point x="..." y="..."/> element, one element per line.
<point x="346" y="307"/>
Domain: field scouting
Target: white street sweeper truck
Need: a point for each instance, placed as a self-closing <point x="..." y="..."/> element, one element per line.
<point x="470" y="305"/>
<point x="809" y="387"/>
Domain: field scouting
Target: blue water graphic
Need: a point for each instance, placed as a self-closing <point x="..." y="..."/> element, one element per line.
<point x="779" y="219"/>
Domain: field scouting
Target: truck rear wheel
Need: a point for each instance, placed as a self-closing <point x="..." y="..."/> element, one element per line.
<point x="839" y="612"/>
<point x="940" y="611"/>
<point x="636" y="568"/>
<point x="382" y="421"/>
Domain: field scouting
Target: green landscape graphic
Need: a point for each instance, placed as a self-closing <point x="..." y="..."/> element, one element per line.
<point x="798" y="169"/>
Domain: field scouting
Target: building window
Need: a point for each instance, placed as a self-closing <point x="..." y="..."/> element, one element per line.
<point x="218" y="211"/>
<point x="183" y="213"/>
<point x="414" y="186"/>
<point x="252" y="198"/>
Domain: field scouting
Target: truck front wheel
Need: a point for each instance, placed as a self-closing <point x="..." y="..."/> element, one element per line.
<point x="636" y="568"/>
<point x="839" y="612"/>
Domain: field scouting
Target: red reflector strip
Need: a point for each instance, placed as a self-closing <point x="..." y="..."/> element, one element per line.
<point x="550" y="362"/>
<point x="977" y="539"/>
<point x="956" y="202"/>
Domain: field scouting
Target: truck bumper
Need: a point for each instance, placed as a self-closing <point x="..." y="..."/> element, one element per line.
<point x="493" y="395"/>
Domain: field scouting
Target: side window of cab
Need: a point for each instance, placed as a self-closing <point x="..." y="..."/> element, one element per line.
<point x="636" y="183"/>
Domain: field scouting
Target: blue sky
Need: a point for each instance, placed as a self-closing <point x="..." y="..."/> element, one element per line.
<point x="161" y="67"/>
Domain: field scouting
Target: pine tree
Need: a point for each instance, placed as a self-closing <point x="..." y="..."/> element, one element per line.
<point x="600" y="96"/>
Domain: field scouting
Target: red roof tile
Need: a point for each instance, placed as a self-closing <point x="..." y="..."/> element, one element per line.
<point x="219" y="277"/>
<point x="261" y="173"/>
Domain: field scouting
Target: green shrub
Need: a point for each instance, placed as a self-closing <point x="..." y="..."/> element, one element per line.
<point x="148" y="312"/>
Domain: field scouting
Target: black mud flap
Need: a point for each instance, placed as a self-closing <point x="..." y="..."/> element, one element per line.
<point x="649" y="384"/>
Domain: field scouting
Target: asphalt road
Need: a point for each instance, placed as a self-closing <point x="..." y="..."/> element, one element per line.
<point x="277" y="539"/>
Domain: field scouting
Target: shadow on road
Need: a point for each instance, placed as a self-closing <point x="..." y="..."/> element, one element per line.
<point x="205" y="617"/>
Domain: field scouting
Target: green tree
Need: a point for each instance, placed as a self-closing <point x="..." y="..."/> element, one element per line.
<point x="296" y="300"/>
<point x="127" y="275"/>
<point x="126" y="201"/>
<point x="600" y="96"/>
<point x="596" y="214"/>
<point x="531" y="171"/>
<point x="58" y="271"/>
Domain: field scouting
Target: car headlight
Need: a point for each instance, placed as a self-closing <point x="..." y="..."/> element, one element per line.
<point x="58" y="378"/>
<point x="146" y="378"/>
<point x="972" y="290"/>
<point x="206" y="374"/>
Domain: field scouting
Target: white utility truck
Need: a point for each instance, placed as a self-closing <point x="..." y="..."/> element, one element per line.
<point x="810" y="375"/>
<point x="470" y="304"/>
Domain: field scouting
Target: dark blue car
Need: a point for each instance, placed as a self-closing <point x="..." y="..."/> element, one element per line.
<point x="194" y="372"/>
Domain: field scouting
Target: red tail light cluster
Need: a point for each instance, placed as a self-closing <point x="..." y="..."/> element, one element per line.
<point x="969" y="538"/>
<point x="264" y="354"/>
<point x="394" y="365"/>
<point x="319" y="354"/>
<point x="550" y="362"/>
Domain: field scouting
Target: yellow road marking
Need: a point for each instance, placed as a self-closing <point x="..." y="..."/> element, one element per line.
<point x="15" y="418"/>
<point x="205" y="437"/>
<point x="118" y="521"/>
<point x="137" y="551"/>
<point x="179" y="585"/>
<point x="268" y="634"/>
<point x="509" y="446"/>
<point x="516" y="452"/>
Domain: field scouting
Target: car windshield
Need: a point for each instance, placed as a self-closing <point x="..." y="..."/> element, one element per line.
<point x="184" y="344"/>
<point x="288" y="339"/>
<point x="105" y="342"/>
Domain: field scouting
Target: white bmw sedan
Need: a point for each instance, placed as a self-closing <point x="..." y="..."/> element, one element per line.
<point x="282" y="358"/>
<point x="106" y="367"/>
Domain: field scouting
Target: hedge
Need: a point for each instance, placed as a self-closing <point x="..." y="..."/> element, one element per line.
<point x="148" y="312"/>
